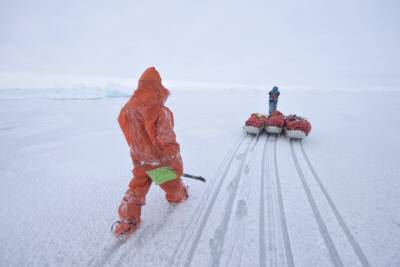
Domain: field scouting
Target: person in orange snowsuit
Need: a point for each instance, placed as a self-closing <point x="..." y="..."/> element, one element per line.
<point x="148" y="127"/>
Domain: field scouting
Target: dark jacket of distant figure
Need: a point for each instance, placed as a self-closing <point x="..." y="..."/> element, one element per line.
<point x="274" y="94"/>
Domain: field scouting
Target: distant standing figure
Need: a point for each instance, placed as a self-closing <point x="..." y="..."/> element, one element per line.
<point x="273" y="99"/>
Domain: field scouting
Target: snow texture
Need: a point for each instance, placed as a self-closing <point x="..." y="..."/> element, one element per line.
<point x="329" y="200"/>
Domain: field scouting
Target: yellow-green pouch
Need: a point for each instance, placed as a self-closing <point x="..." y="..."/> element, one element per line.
<point x="162" y="175"/>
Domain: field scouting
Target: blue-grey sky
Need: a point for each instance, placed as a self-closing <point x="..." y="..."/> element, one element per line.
<point x="308" y="42"/>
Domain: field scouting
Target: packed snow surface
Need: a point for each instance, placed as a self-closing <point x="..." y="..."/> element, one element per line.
<point x="329" y="200"/>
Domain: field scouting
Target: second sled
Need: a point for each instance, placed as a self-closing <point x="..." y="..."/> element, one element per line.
<point x="274" y="123"/>
<point x="255" y="124"/>
<point x="297" y="127"/>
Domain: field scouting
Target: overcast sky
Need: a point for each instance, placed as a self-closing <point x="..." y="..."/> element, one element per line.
<point x="309" y="42"/>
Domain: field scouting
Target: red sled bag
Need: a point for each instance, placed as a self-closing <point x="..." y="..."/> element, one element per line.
<point x="274" y="123"/>
<point x="297" y="127"/>
<point x="255" y="124"/>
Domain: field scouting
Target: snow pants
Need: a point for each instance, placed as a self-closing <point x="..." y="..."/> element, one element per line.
<point x="135" y="197"/>
<point x="272" y="106"/>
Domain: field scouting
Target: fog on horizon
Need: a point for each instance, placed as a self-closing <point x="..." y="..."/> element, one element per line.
<point x="259" y="42"/>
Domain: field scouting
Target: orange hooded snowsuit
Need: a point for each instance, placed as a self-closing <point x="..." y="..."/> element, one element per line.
<point x="148" y="128"/>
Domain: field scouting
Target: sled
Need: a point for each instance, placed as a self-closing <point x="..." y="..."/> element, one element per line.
<point x="297" y="127"/>
<point x="274" y="123"/>
<point x="255" y="124"/>
<point x="273" y="129"/>
<point x="253" y="129"/>
<point x="295" y="134"/>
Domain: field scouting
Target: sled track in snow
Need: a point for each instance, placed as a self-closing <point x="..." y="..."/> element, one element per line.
<point x="241" y="211"/>
<point x="271" y="206"/>
<point x="353" y="242"/>
<point x="222" y="228"/>
<point x="262" y="245"/>
<point x="152" y="230"/>
<point x="282" y="215"/>
<point x="149" y="231"/>
<point x="190" y="239"/>
<point x="109" y="251"/>
<point x="333" y="253"/>
<point x="213" y="193"/>
<point x="8" y="128"/>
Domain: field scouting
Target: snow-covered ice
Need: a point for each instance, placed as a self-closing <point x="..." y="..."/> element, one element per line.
<point x="330" y="200"/>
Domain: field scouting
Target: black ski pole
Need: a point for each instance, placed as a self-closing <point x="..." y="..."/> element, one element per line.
<point x="194" y="177"/>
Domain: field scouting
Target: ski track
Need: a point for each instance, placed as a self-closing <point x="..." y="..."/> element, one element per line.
<point x="242" y="210"/>
<point x="272" y="246"/>
<point x="147" y="232"/>
<point x="109" y="251"/>
<point x="395" y="223"/>
<point x="152" y="231"/>
<point x="353" y="242"/>
<point x="262" y="246"/>
<point x="204" y="217"/>
<point x="217" y="242"/>
<point x="267" y="190"/>
<point x="282" y="216"/>
<point x="333" y="253"/>
<point x="185" y="238"/>
<point x="8" y="128"/>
